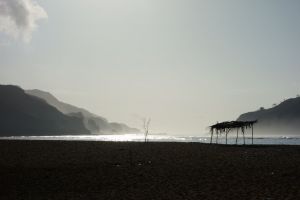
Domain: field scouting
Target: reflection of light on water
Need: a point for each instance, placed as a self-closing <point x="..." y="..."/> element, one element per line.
<point x="156" y="138"/>
<point x="114" y="138"/>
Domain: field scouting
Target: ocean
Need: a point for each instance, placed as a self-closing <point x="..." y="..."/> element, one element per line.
<point x="163" y="138"/>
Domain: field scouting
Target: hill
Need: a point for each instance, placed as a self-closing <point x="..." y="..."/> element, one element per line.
<point x="94" y="123"/>
<point x="283" y="119"/>
<point x="24" y="114"/>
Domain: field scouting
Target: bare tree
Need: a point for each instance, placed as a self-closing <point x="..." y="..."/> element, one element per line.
<point x="146" y="123"/>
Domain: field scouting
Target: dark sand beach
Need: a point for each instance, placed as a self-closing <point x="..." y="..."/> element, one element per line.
<point x="109" y="170"/>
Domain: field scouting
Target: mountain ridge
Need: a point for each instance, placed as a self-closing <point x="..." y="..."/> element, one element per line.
<point x="23" y="114"/>
<point x="94" y="123"/>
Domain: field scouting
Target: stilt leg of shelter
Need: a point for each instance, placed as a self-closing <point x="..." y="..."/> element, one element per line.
<point x="237" y="135"/>
<point x="217" y="137"/>
<point x="211" y="135"/>
<point x="227" y="131"/>
<point x="243" y="131"/>
<point x="252" y="134"/>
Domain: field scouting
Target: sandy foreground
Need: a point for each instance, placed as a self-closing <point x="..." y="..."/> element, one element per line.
<point x="132" y="170"/>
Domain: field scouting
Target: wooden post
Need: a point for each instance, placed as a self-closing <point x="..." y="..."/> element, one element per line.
<point x="237" y="135"/>
<point x="217" y="136"/>
<point x="211" y="135"/>
<point x="226" y="135"/>
<point x="252" y="134"/>
<point x="243" y="131"/>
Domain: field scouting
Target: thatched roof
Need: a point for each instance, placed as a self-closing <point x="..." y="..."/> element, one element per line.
<point x="232" y="125"/>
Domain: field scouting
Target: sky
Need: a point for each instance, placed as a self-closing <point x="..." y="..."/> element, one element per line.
<point x="185" y="63"/>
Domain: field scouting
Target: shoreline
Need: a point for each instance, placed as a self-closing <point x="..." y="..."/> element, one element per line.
<point x="153" y="138"/>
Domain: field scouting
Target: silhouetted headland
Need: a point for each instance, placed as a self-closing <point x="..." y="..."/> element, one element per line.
<point x="34" y="112"/>
<point x="23" y="114"/>
<point x="94" y="123"/>
<point x="282" y="119"/>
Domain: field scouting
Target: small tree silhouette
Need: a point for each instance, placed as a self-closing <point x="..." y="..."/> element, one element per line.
<point x="146" y="123"/>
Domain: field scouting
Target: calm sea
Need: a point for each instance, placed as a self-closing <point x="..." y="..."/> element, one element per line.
<point x="160" y="138"/>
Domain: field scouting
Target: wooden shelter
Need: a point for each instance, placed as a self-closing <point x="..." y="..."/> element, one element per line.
<point x="226" y="127"/>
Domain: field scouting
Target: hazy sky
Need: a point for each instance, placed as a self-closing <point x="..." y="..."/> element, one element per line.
<point x="186" y="64"/>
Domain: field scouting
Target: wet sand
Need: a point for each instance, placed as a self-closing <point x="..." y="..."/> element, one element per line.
<point x="128" y="170"/>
